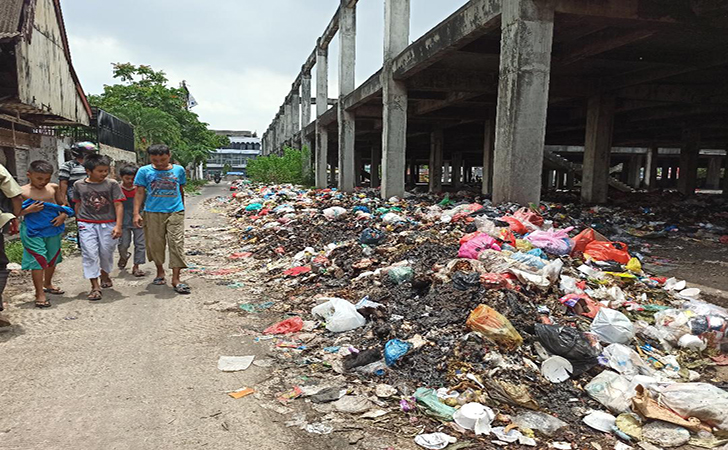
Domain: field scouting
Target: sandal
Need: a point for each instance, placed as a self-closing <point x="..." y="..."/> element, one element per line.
<point x="182" y="289"/>
<point x="123" y="260"/>
<point x="139" y="273"/>
<point x="159" y="281"/>
<point x="45" y="304"/>
<point x="107" y="284"/>
<point x="95" y="295"/>
<point x="54" y="291"/>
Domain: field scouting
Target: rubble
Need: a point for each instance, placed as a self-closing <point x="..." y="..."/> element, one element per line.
<point x="506" y="325"/>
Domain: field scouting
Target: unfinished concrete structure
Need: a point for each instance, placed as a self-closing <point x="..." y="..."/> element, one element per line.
<point x="510" y="89"/>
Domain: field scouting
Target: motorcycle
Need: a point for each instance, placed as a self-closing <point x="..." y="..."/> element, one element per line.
<point x="217" y="179"/>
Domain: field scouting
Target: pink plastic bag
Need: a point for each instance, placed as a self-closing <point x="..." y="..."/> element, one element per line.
<point x="292" y="325"/>
<point x="555" y="242"/>
<point x="472" y="248"/>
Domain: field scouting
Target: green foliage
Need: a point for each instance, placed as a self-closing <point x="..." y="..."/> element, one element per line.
<point x="14" y="251"/>
<point x="226" y="168"/>
<point x="273" y="169"/>
<point x="158" y="113"/>
<point x="194" y="186"/>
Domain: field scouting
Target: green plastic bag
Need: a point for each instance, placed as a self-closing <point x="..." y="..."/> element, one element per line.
<point x="435" y="408"/>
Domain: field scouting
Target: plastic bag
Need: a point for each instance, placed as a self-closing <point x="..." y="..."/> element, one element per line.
<point x="400" y="274"/>
<point x="394" y="350"/>
<point x="254" y="207"/>
<point x="702" y="400"/>
<point x="611" y="390"/>
<point x="494" y="326"/>
<point x="527" y="215"/>
<point x="607" y="251"/>
<point x="514" y="224"/>
<point x="292" y="325"/>
<point x="570" y="343"/>
<point x="626" y="361"/>
<point x="371" y="236"/>
<point x="529" y="260"/>
<point x="472" y="248"/>
<point x="340" y="315"/>
<point x="392" y="218"/>
<point x="612" y="326"/>
<point x="554" y="242"/>
<point x="334" y="212"/>
<point x="435" y="408"/>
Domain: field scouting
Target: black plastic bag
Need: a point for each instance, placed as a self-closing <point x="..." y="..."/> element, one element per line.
<point x="570" y="343"/>
<point x="371" y="236"/>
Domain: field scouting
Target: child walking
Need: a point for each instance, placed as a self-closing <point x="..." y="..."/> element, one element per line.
<point x="42" y="229"/>
<point x="100" y="214"/>
<point x="129" y="231"/>
<point x="160" y="191"/>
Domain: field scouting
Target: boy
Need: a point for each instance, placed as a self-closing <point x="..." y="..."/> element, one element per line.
<point x="160" y="190"/>
<point x="127" y="174"/>
<point x="100" y="213"/>
<point x="42" y="228"/>
<point x="10" y="207"/>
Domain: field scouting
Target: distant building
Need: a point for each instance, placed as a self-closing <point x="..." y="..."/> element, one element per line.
<point x="243" y="147"/>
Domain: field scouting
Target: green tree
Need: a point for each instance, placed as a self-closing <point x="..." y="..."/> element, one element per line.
<point x="226" y="168"/>
<point x="281" y="169"/>
<point x="158" y="113"/>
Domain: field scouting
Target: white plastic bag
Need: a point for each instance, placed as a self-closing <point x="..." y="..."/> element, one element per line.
<point x="611" y="390"/>
<point x="626" y="361"/>
<point x="340" y="315"/>
<point x="702" y="400"/>
<point x="334" y="212"/>
<point x="612" y="326"/>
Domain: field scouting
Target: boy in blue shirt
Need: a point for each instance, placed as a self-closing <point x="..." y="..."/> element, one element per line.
<point x="160" y="208"/>
<point x="42" y="228"/>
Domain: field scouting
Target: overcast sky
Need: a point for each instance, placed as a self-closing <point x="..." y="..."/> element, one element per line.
<point x="239" y="57"/>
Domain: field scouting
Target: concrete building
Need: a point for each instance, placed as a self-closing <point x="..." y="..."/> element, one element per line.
<point x="243" y="147"/>
<point x="504" y="86"/>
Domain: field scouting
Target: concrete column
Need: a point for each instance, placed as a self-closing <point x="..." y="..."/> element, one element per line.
<point x="714" y="165"/>
<point x="634" y="171"/>
<point x="358" y="169"/>
<point x="527" y="28"/>
<point x="488" y="149"/>
<point x="332" y="169"/>
<point x="446" y="172"/>
<point x="559" y="179"/>
<point x="347" y="83"/>
<point x="288" y="118"/>
<point x="597" y="149"/>
<point x="570" y="180"/>
<point x="437" y="140"/>
<point x="651" y="168"/>
<point x="322" y="100"/>
<point x="725" y="174"/>
<point x="394" y="133"/>
<point x="305" y="120"/>
<point x="457" y="169"/>
<point x="688" y="179"/>
<point x="376" y="163"/>
<point x="295" y="119"/>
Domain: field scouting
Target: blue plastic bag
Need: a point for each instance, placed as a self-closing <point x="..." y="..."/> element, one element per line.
<point x="394" y="350"/>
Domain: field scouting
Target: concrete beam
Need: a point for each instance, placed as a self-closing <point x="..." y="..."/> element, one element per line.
<point x="347" y="83"/>
<point x="642" y="10"/>
<point x="597" y="149"/>
<point x="367" y="91"/>
<point x="437" y="142"/>
<point x="523" y="92"/>
<point x="488" y="151"/>
<point x="394" y="122"/>
<point x="322" y="134"/>
<point x="599" y="42"/>
<point x="688" y="179"/>
<point x="699" y="62"/>
<point x="471" y="21"/>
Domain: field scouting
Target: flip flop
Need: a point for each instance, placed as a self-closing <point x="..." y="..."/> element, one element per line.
<point x="182" y="289"/>
<point x="107" y="284"/>
<point x="139" y="273"/>
<point x="95" y="295"/>
<point x="45" y="304"/>
<point x="55" y="291"/>
<point x="160" y="281"/>
<point x="123" y="260"/>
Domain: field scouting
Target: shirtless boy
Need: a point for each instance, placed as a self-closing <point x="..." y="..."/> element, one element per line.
<point x="42" y="229"/>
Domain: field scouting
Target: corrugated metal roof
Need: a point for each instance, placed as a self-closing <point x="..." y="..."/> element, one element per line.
<point x="10" y="12"/>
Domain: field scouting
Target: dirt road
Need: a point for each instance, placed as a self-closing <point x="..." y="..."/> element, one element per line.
<point x="137" y="370"/>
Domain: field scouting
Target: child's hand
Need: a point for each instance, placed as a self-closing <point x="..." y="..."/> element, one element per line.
<point x="138" y="221"/>
<point x="59" y="220"/>
<point x="34" y="208"/>
<point x="116" y="233"/>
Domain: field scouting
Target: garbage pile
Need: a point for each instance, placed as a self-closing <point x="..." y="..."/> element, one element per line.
<point x="511" y="326"/>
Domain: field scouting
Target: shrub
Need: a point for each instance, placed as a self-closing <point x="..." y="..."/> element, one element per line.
<point x="274" y="169"/>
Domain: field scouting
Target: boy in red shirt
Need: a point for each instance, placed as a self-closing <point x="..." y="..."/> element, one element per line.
<point x="129" y="231"/>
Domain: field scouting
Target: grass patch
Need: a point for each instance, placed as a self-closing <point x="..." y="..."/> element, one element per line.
<point x="14" y="250"/>
<point x="194" y="186"/>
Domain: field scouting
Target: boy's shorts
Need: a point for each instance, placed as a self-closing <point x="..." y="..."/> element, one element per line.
<point x="40" y="252"/>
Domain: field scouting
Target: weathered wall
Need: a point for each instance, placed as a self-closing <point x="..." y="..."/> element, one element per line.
<point x="44" y="74"/>
<point x="48" y="151"/>
<point x="118" y="156"/>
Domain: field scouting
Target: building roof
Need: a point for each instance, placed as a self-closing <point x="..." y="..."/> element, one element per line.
<point x="244" y="139"/>
<point x="232" y="151"/>
<point x="16" y="21"/>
